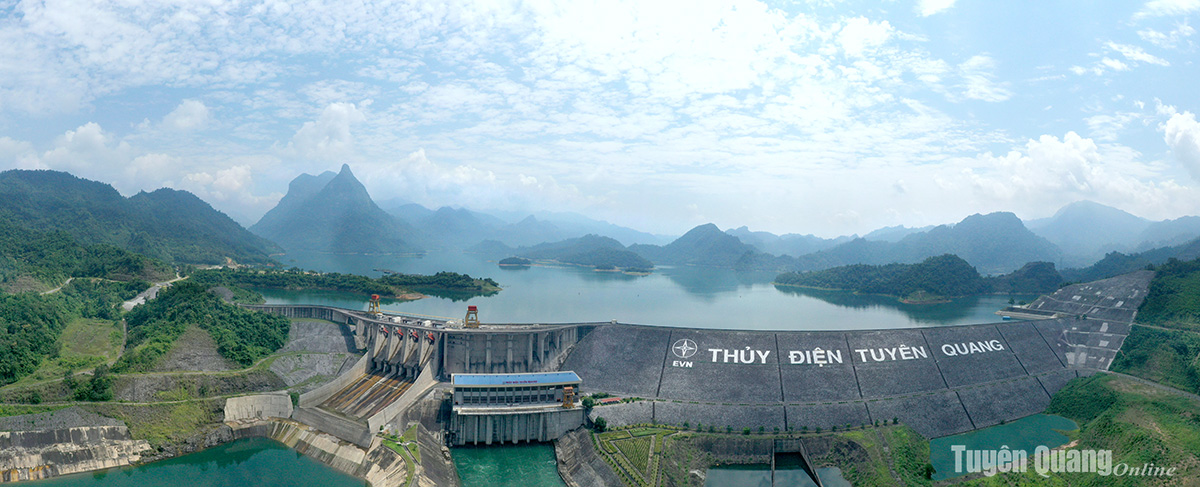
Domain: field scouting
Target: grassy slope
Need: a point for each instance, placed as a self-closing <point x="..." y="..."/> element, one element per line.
<point x="1138" y="422"/>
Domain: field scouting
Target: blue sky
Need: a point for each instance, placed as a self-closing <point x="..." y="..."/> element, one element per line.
<point x="820" y="117"/>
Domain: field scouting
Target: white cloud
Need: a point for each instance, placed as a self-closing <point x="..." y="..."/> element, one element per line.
<point x="979" y="80"/>
<point x="1158" y="8"/>
<point x="1136" y="54"/>
<point x="18" y="154"/>
<point x="1169" y="40"/>
<point x="189" y="115"/>
<point x="930" y="7"/>
<point x="1182" y="134"/>
<point x="328" y="138"/>
<point x="1108" y="128"/>
<point x="860" y="35"/>
<point x="1049" y="172"/>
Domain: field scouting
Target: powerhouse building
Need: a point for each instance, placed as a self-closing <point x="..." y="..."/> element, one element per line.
<point x="503" y="408"/>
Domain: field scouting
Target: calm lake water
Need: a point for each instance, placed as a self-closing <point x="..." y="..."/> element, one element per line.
<point x="260" y="462"/>
<point x="1023" y="434"/>
<point x="680" y="296"/>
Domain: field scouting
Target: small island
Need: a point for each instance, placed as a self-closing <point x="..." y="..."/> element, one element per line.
<point x="515" y="262"/>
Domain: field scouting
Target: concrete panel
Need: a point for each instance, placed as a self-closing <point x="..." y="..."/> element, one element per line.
<point x="972" y="354"/>
<point x="816" y="367"/>
<point x="825" y="416"/>
<point x="884" y="346"/>
<point x="1005" y="401"/>
<point x="898" y="378"/>
<point x="1054" y="381"/>
<point x="720" y="416"/>
<point x="620" y="359"/>
<point x="718" y="371"/>
<point x="1033" y="351"/>
<point x="813" y="384"/>
<point x="625" y="414"/>
<point x="933" y="415"/>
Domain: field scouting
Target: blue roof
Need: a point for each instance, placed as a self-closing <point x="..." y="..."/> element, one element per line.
<point x="514" y="379"/>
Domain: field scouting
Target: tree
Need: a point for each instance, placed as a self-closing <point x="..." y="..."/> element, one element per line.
<point x="600" y="424"/>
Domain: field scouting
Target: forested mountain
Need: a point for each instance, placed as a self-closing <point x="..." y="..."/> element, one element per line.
<point x="338" y="217"/>
<point x="1086" y="231"/>
<point x="1168" y="233"/>
<point x="703" y="245"/>
<point x="896" y="233"/>
<point x="33" y="261"/>
<point x="588" y="250"/>
<point x="994" y="243"/>
<point x="935" y="277"/>
<point x="171" y="225"/>
<point x="787" y="244"/>
<point x="1117" y="263"/>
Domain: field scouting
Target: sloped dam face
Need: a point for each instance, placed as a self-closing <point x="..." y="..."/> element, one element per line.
<point x="939" y="380"/>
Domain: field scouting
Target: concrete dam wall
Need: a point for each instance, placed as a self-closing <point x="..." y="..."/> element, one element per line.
<point x="939" y="380"/>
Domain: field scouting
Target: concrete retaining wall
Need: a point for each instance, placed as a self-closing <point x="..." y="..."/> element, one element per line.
<point x="343" y="428"/>
<point x="545" y="425"/>
<point x="259" y="406"/>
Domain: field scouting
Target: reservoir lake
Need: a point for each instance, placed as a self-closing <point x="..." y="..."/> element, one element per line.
<point x="694" y="297"/>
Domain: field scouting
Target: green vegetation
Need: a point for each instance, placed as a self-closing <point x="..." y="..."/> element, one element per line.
<point x="1139" y="423"/>
<point x="166" y="423"/>
<point x="588" y="250"/>
<point x="17" y="410"/>
<point x="636" y="451"/>
<point x="241" y="336"/>
<point x="1163" y="356"/>
<point x="50" y="258"/>
<point x="447" y="284"/>
<point x="97" y="388"/>
<point x="1173" y="300"/>
<point x="32" y="324"/>
<point x="935" y="278"/>
<point x="170" y="225"/>
<point x="515" y="261"/>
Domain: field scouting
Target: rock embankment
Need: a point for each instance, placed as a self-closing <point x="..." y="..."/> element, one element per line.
<point x="578" y="463"/>
<point x="40" y="446"/>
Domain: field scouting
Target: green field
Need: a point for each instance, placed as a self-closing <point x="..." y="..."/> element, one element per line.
<point x="83" y="344"/>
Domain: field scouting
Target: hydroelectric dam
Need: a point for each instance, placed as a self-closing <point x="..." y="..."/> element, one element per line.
<point x="938" y="380"/>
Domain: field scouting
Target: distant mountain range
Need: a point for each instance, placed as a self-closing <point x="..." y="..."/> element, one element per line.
<point x="334" y="213"/>
<point x="171" y="225"/>
<point x="1085" y="231"/>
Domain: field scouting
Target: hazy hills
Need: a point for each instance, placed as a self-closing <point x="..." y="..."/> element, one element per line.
<point x="1085" y="231"/>
<point x="166" y="224"/>
<point x="333" y="213"/>
<point x="588" y="250"/>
